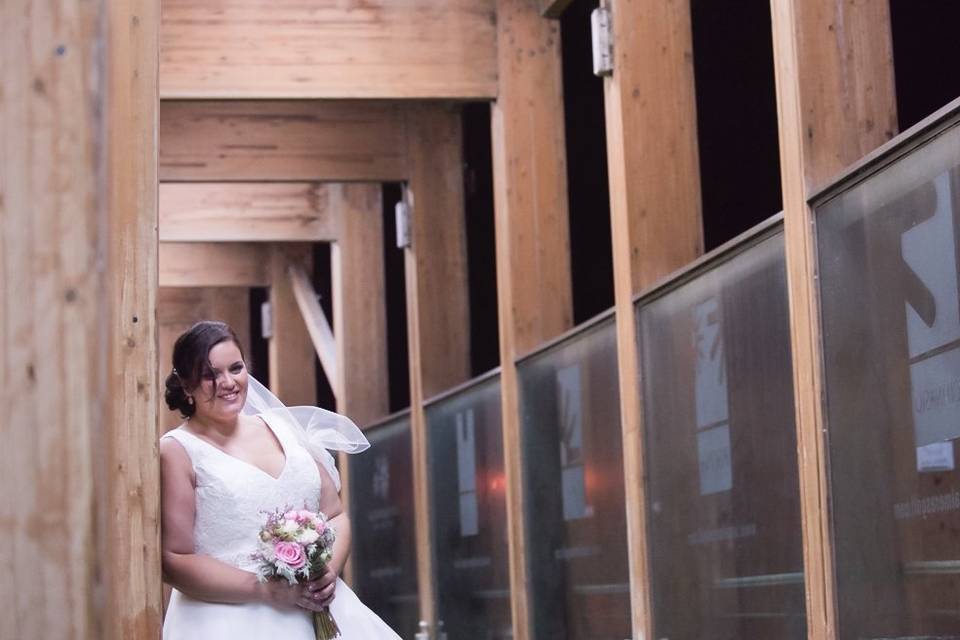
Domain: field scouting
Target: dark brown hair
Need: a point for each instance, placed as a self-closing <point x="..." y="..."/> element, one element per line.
<point x="191" y="363"/>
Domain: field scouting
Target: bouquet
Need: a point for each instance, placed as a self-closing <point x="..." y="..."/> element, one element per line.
<point x="296" y="545"/>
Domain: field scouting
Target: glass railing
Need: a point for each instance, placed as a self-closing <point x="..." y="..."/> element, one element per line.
<point x="723" y="508"/>
<point x="574" y="505"/>
<point x="887" y="238"/>
<point x="469" y="514"/>
<point x="384" y="548"/>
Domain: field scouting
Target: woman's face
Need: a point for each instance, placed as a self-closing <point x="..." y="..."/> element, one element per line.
<point x="230" y="376"/>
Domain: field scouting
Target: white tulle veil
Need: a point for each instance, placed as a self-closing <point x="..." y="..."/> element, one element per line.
<point x="318" y="430"/>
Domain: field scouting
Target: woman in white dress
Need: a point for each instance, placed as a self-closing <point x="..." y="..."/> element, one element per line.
<point x="222" y="469"/>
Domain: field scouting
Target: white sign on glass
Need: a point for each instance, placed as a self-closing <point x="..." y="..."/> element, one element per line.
<point x="710" y="398"/>
<point x="936" y="457"/>
<point x="574" y="490"/>
<point x="929" y="250"/>
<point x="467" y="472"/>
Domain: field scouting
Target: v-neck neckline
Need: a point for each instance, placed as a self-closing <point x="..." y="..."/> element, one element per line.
<point x="283" y="449"/>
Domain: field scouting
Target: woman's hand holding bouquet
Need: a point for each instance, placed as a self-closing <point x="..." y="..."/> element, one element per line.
<point x="296" y="545"/>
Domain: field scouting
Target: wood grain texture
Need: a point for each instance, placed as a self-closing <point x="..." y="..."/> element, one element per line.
<point x="655" y="216"/>
<point x="214" y="264"/>
<point x="436" y="287"/>
<point x="293" y="371"/>
<point x="318" y="327"/>
<point x="50" y="321"/>
<point x="530" y="179"/>
<point x="534" y="296"/>
<point x="76" y="267"/>
<point x="328" y="49"/>
<point x="281" y="140"/>
<point x="359" y="304"/>
<point x="435" y="194"/>
<point x="131" y="514"/>
<point x="829" y="55"/>
<point x="246" y="212"/>
<point x="360" y="315"/>
<point x="651" y="98"/>
<point x="179" y="308"/>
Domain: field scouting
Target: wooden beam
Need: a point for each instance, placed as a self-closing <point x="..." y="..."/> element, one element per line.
<point x="293" y="372"/>
<point x="131" y="535"/>
<point x="179" y="308"/>
<point x="553" y="8"/>
<point x="317" y="325"/>
<point x="534" y="296"/>
<point x="246" y="212"/>
<point x="281" y="141"/>
<point x="78" y="465"/>
<point x="347" y="49"/>
<point x="359" y="304"/>
<point x="437" y="306"/>
<point x="836" y="102"/>
<point x="360" y="314"/>
<point x="655" y="215"/>
<point x="194" y="264"/>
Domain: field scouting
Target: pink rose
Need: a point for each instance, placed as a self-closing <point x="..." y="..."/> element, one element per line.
<point x="304" y="516"/>
<point x="290" y="553"/>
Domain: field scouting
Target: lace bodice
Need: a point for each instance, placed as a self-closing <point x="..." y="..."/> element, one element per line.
<point x="232" y="495"/>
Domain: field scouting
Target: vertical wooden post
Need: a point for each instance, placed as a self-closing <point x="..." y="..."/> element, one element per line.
<point x="534" y="296"/>
<point x="359" y="308"/>
<point x="293" y="372"/>
<point x="836" y="102"/>
<point x="359" y="312"/>
<point x="438" y="318"/>
<point x="655" y="213"/>
<point x="77" y="335"/>
<point x="130" y="541"/>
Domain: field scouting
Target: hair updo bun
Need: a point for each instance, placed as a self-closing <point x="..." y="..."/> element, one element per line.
<point x="176" y="396"/>
<point x="191" y="361"/>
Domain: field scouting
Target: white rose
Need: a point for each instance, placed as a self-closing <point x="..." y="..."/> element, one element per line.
<point x="308" y="536"/>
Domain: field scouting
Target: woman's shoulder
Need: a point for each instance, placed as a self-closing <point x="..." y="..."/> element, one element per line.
<point x="175" y="453"/>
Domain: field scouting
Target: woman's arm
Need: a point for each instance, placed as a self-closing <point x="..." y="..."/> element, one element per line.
<point x="197" y="575"/>
<point x="332" y="508"/>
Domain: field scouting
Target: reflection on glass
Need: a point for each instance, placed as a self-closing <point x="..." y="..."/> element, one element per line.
<point x="574" y="502"/>
<point x="469" y="513"/>
<point x="381" y="504"/>
<point x="891" y="332"/>
<point x="723" y="496"/>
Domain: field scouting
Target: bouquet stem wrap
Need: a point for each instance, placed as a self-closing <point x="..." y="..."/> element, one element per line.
<point x="324" y="626"/>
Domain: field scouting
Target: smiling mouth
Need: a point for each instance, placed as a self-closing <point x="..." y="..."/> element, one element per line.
<point x="233" y="395"/>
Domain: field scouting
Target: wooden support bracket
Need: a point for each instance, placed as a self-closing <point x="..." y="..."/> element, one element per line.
<point x="317" y="324"/>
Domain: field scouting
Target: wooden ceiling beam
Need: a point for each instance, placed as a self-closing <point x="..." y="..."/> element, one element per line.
<point x="200" y="264"/>
<point x="281" y="140"/>
<point x="247" y="212"/>
<point x="344" y="49"/>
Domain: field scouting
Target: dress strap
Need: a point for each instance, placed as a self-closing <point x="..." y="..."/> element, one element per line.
<point x="281" y="430"/>
<point x="192" y="444"/>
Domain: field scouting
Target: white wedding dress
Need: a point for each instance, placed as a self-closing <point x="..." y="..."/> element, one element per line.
<point x="231" y="498"/>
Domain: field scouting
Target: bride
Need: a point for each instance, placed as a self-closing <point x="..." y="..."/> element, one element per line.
<point x="238" y="454"/>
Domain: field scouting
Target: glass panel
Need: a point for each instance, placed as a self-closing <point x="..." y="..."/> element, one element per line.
<point x="891" y="334"/>
<point x="723" y="498"/>
<point x="574" y="503"/>
<point x="384" y="549"/>
<point x="469" y="513"/>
